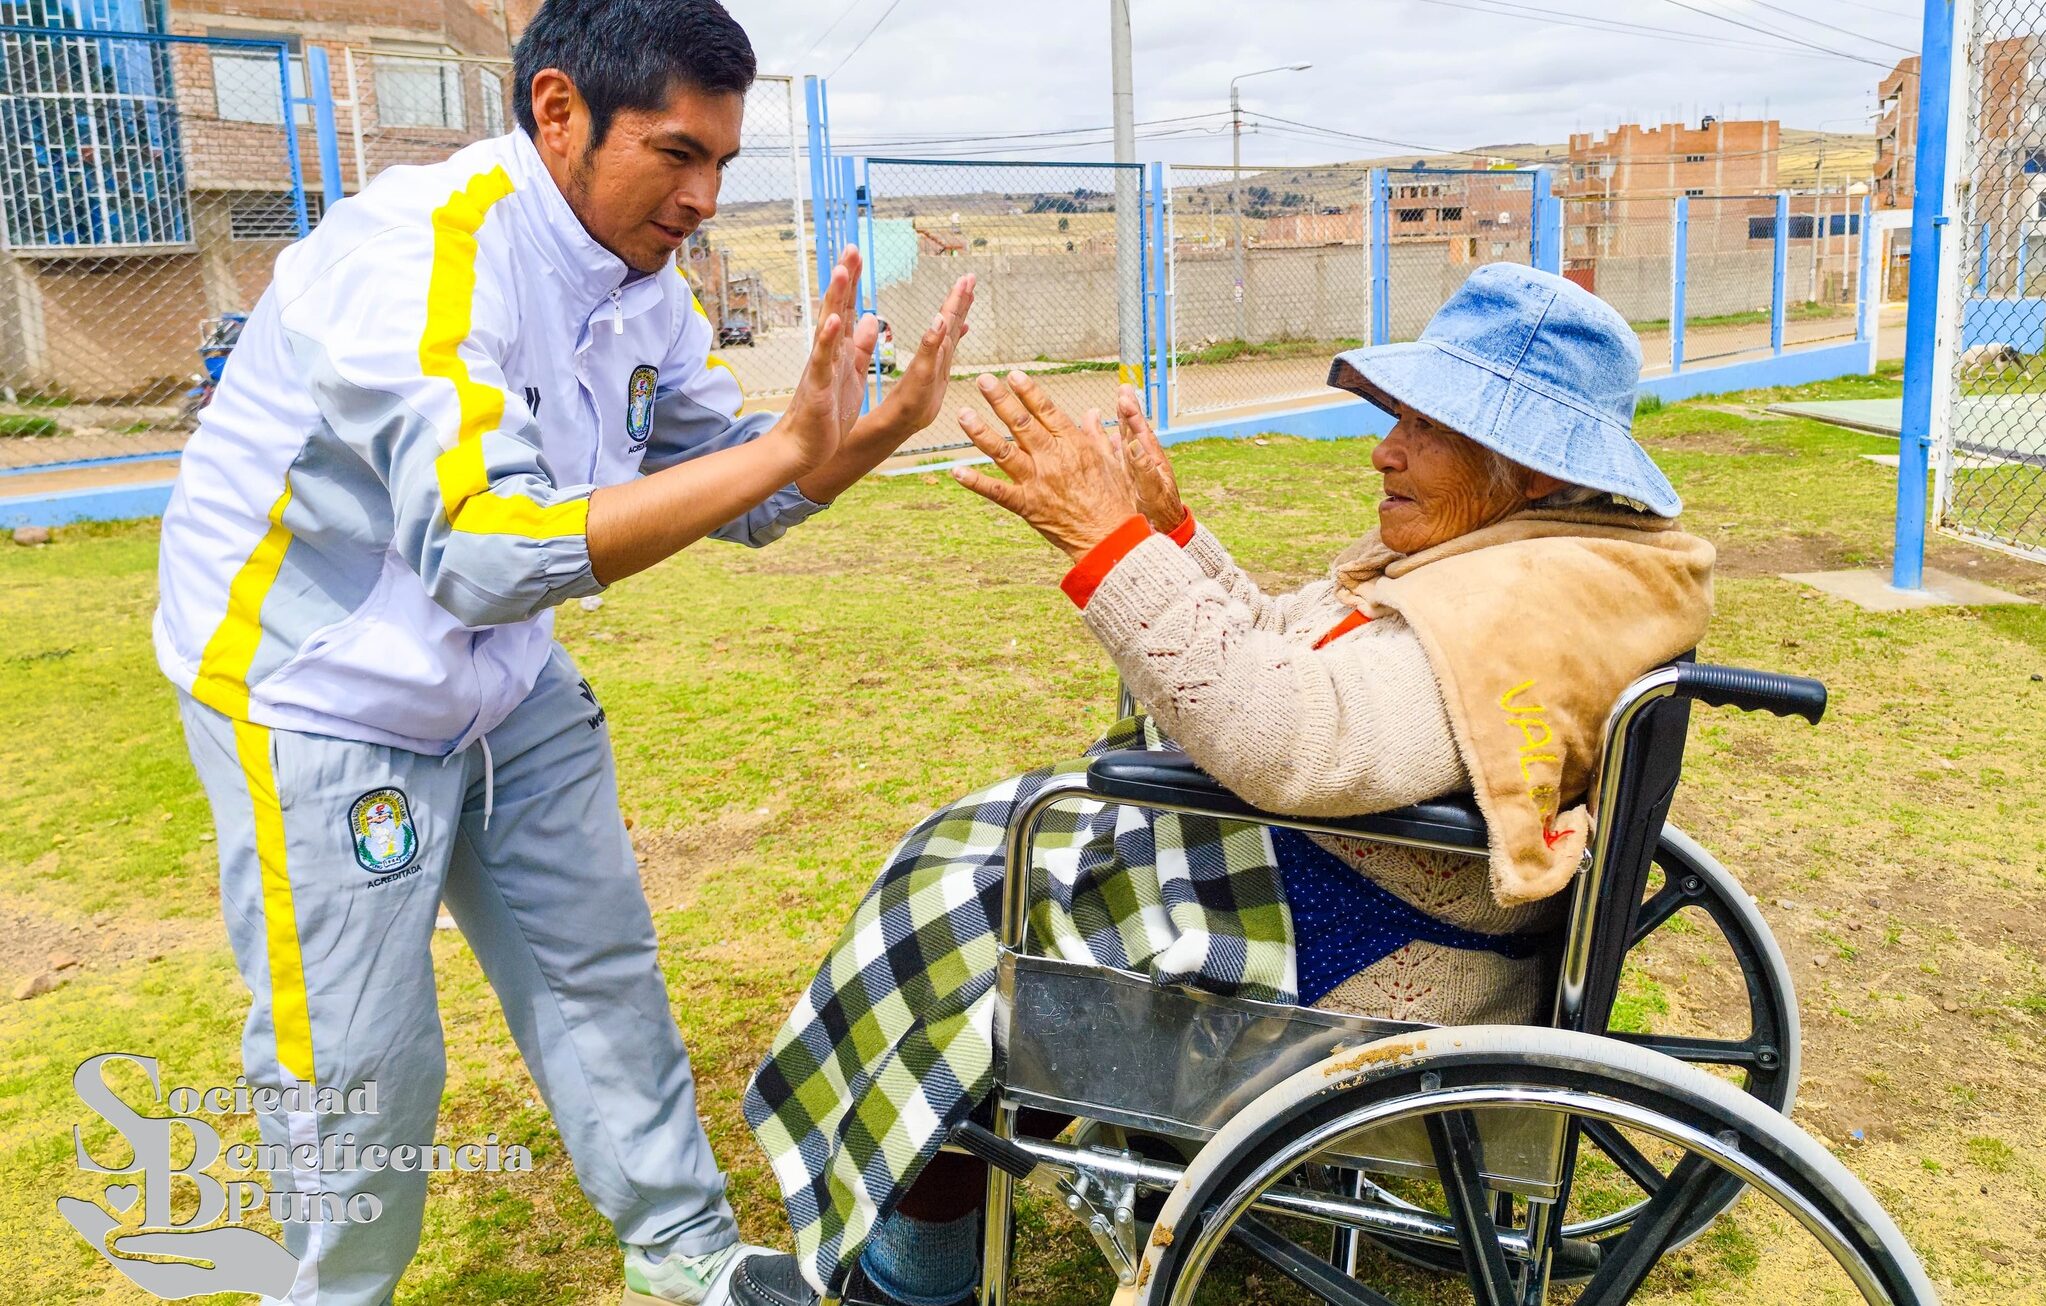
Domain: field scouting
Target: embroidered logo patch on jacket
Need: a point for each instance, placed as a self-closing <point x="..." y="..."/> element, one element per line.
<point x="639" y="403"/>
<point x="380" y="827"/>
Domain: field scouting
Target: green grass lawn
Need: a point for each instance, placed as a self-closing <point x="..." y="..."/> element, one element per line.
<point x="781" y="717"/>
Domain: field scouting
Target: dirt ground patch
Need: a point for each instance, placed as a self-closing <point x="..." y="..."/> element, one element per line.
<point x="37" y="940"/>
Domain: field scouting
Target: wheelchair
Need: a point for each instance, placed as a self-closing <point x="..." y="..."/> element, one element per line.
<point x="1534" y="1163"/>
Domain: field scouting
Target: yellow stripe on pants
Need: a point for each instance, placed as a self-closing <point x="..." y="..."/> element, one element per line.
<point x="223" y="685"/>
<point x="290" y="1015"/>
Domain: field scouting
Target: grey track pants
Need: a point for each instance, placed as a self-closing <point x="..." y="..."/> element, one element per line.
<point x="334" y="858"/>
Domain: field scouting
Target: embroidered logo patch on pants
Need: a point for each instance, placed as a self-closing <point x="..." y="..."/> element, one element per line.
<point x="380" y="827"/>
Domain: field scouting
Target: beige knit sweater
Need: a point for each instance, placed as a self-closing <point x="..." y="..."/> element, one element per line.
<point x="1233" y="676"/>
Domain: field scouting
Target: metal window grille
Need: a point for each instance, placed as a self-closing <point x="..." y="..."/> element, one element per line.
<point x="90" y="145"/>
<point x="133" y="213"/>
<point x="269" y="215"/>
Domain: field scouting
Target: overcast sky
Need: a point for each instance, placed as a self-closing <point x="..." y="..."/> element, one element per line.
<point x="1415" y="72"/>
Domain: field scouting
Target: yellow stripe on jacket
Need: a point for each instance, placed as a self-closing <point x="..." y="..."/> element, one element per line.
<point x="223" y="680"/>
<point x="466" y="497"/>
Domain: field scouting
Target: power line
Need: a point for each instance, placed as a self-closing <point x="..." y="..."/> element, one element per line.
<point x="1796" y="40"/>
<point x="1878" y="9"/>
<point x="911" y="138"/>
<point x="1844" y="31"/>
<point x="861" y="44"/>
<point x="843" y="14"/>
<point x="1592" y="23"/>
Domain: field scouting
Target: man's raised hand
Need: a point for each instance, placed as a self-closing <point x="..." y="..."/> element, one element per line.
<point x="913" y="402"/>
<point x="826" y="403"/>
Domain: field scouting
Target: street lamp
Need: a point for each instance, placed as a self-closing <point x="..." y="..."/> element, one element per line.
<point x="1236" y="187"/>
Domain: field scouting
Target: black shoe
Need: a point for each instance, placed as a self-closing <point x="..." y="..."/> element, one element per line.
<point x="770" y="1280"/>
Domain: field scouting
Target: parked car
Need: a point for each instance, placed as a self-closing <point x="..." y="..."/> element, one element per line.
<point x="884" y="350"/>
<point x="735" y="332"/>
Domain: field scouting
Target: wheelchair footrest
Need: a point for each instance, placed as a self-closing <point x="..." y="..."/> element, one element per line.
<point x="998" y="1152"/>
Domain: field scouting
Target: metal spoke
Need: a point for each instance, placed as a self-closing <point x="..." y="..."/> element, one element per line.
<point x="1302" y="1266"/>
<point x="1665" y="904"/>
<point x="1698" y="1051"/>
<point x="1650" y="1235"/>
<point x="1624" y="1154"/>
<point x="1454" y="1135"/>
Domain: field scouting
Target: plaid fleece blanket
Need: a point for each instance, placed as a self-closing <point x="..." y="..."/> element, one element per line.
<point x="893" y="1044"/>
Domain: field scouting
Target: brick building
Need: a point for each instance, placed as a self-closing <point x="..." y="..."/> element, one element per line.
<point x="173" y="207"/>
<point x="2006" y="201"/>
<point x="1713" y="158"/>
<point x="1897" y="136"/>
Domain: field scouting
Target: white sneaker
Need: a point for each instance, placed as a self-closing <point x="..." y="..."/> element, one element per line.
<point x="704" y="1280"/>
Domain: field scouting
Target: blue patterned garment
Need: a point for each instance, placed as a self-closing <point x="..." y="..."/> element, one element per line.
<point x="1344" y="921"/>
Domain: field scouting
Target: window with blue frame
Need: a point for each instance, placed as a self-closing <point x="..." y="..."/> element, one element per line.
<point x="90" y="149"/>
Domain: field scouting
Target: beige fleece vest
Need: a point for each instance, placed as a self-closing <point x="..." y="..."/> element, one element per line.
<point x="1533" y="626"/>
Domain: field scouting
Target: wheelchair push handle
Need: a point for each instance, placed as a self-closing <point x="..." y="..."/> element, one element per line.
<point x="1752" y="691"/>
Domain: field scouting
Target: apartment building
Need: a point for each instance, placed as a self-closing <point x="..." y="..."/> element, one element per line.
<point x="1897" y="135"/>
<point x="1714" y="158"/>
<point x="157" y="186"/>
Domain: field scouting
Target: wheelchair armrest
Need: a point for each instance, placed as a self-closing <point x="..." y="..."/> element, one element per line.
<point x="1145" y="776"/>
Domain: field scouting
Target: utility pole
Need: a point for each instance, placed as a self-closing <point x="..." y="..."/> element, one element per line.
<point x="1129" y="240"/>
<point x="1818" y="216"/>
<point x="1236" y="203"/>
<point x="1236" y="185"/>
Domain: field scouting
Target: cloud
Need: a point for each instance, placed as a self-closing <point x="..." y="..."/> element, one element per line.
<point x="1415" y="71"/>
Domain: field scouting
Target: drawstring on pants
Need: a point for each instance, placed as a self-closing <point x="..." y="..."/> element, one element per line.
<point x="489" y="775"/>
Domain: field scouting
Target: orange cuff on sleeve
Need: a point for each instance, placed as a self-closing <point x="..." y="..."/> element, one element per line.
<point x="1182" y="534"/>
<point x="1088" y="573"/>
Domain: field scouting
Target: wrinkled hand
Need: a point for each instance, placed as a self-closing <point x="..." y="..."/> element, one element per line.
<point x="1065" y="480"/>
<point x="1150" y="471"/>
<point x="826" y="404"/>
<point x="912" y="403"/>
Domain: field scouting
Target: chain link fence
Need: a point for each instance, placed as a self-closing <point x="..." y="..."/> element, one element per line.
<point x="1268" y="277"/>
<point x="1621" y="248"/>
<point x="1442" y="225"/>
<point x="146" y="186"/>
<point x="1730" y="276"/>
<point x="1991" y="443"/>
<point x="1042" y="240"/>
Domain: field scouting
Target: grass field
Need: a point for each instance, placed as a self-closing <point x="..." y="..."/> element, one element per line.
<point x="781" y="717"/>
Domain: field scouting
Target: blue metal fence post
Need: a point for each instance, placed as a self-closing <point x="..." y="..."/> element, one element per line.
<point x="1982" y="286"/>
<point x="320" y="84"/>
<point x="1680" y="271"/>
<point x="1782" y="267"/>
<point x="1381" y="257"/>
<point x="1921" y="329"/>
<point x="820" y="188"/>
<point x="1546" y="243"/>
<point x="1156" y="321"/>
<point x="855" y="175"/>
<point x="1865" y="325"/>
<point x="290" y="103"/>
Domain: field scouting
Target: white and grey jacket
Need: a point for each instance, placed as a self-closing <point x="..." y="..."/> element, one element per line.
<point x="388" y="494"/>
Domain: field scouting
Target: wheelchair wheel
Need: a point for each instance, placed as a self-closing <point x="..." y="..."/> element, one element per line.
<point x="1466" y="1089"/>
<point x="1757" y="1042"/>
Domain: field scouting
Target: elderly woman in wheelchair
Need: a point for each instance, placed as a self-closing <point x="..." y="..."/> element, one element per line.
<point x="1348" y="815"/>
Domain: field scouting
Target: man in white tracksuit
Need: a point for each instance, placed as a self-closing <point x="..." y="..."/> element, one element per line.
<point x="479" y="389"/>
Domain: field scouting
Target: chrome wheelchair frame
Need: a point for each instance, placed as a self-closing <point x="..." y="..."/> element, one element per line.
<point x="1295" y="1112"/>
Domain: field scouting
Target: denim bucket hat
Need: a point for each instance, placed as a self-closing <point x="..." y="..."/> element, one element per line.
<point x="1531" y="366"/>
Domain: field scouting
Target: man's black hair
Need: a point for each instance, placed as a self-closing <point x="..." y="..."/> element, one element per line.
<point x="630" y="54"/>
